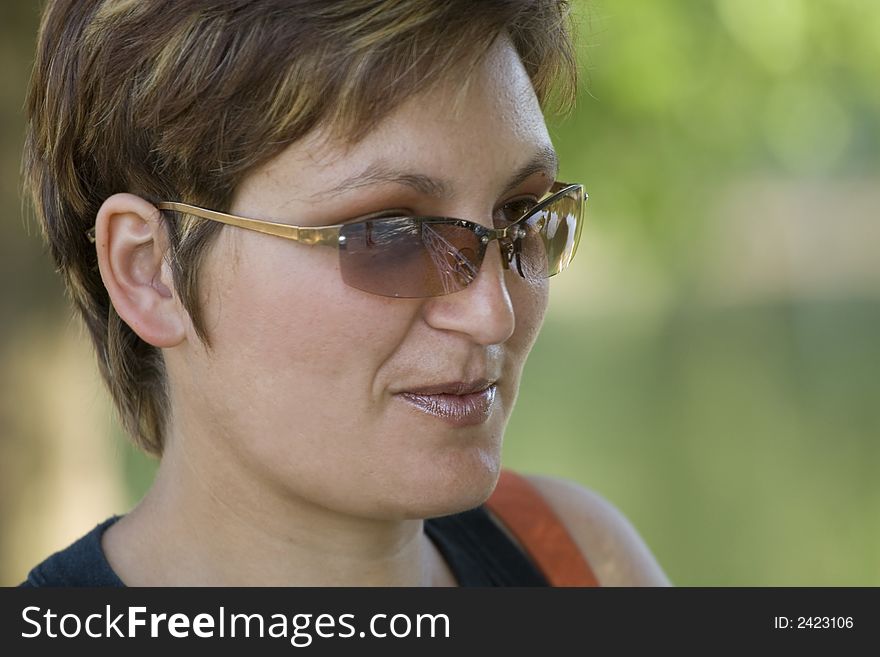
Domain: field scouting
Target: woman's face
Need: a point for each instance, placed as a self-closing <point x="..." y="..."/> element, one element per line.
<point x="300" y="390"/>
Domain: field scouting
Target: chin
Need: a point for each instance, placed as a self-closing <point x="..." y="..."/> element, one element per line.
<point x="441" y="489"/>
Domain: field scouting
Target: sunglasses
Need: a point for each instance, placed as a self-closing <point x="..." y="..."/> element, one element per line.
<point x="418" y="257"/>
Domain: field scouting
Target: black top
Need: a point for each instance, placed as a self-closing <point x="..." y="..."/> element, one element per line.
<point x="478" y="552"/>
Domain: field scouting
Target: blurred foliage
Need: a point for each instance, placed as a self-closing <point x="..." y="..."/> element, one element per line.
<point x="739" y="437"/>
<point x="680" y="97"/>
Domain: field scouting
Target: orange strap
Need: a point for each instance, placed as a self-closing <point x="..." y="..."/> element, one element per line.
<point x="522" y="510"/>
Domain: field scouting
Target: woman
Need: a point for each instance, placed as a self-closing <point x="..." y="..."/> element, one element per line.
<point x="313" y="399"/>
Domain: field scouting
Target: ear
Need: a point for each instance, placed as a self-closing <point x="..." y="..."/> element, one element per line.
<point x="131" y="242"/>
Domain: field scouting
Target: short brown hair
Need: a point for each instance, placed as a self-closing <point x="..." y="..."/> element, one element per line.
<point x="180" y="100"/>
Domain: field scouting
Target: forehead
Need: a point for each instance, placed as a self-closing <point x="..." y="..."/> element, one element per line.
<point x="472" y="132"/>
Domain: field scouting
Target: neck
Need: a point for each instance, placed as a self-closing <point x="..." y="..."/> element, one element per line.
<point x="203" y="525"/>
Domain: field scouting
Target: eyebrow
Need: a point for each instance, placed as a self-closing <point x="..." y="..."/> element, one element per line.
<point x="544" y="160"/>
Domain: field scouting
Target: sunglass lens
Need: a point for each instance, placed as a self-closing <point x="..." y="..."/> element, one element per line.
<point x="401" y="257"/>
<point x="553" y="230"/>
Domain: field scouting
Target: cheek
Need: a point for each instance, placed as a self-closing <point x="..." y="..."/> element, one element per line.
<point x="284" y="316"/>
<point x="529" y="305"/>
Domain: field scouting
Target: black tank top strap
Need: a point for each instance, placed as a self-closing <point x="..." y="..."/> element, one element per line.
<point x="479" y="553"/>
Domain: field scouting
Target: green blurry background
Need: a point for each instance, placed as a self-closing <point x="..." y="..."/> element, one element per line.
<point x="710" y="362"/>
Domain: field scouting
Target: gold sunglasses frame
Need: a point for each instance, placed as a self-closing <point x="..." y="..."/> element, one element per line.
<point x="509" y="238"/>
<point x="327" y="235"/>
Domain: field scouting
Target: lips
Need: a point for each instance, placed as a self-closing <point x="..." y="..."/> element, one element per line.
<point x="453" y="388"/>
<point x="458" y="403"/>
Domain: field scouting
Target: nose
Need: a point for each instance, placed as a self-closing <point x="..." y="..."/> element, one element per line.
<point x="483" y="310"/>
